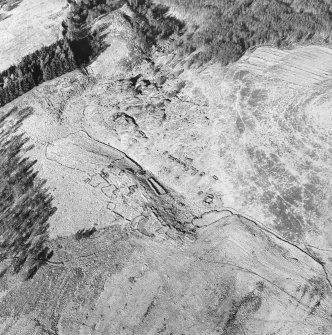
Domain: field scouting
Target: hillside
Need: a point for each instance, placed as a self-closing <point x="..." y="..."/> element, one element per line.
<point x="192" y="193"/>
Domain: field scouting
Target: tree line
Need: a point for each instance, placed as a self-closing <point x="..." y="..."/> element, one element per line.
<point x="25" y="204"/>
<point x="35" y="68"/>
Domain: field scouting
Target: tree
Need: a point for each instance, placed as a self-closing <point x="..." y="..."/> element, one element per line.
<point x="11" y="90"/>
<point x="47" y="73"/>
<point x="2" y="97"/>
<point x="18" y="87"/>
<point x="6" y="95"/>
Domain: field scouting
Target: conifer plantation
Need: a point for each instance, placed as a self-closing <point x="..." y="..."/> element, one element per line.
<point x="25" y="203"/>
<point x="35" y="68"/>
